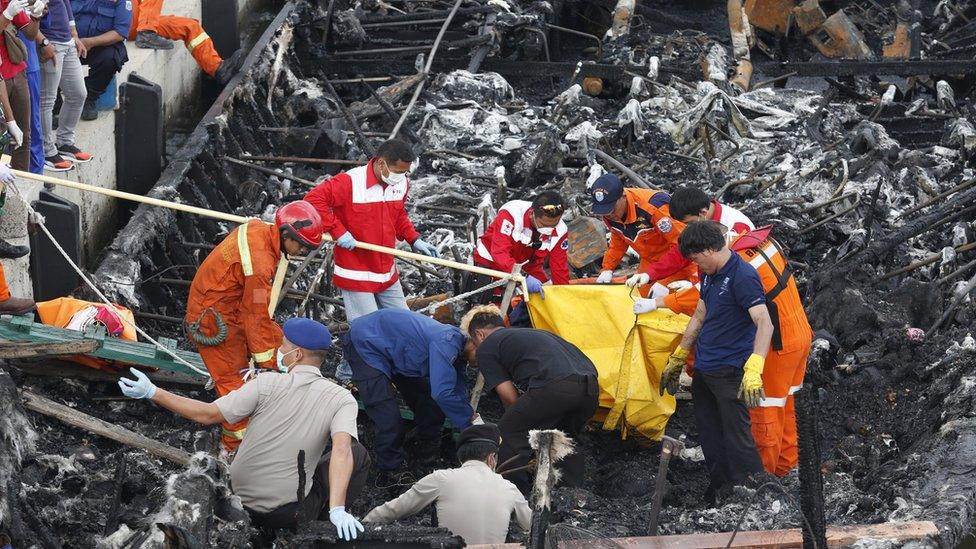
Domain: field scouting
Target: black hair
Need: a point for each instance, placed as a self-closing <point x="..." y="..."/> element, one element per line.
<point x="701" y="236"/>
<point x="486" y="319"/>
<point x="548" y="204"/>
<point x="476" y="449"/>
<point x="688" y="201"/>
<point x="395" y="150"/>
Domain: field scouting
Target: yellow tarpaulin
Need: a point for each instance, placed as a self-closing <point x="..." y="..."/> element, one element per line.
<point x="598" y="320"/>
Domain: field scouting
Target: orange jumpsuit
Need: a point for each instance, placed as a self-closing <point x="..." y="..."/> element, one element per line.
<point x="235" y="282"/>
<point x="774" y="421"/>
<point x="4" y="290"/>
<point x="647" y="228"/>
<point x="146" y="17"/>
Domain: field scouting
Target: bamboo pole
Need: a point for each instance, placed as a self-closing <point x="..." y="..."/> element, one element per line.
<point x="241" y="219"/>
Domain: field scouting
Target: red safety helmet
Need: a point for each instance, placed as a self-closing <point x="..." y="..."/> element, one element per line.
<point x="300" y="221"/>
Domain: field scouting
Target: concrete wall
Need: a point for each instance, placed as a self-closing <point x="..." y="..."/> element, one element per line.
<point x="178" y="74"/>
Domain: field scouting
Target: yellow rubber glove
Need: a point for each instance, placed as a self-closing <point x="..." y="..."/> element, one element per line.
<point x="672" y="372"/>
<point x="751" y="390"/>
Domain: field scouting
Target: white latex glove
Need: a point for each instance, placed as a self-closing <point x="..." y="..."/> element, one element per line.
<point x="605" y="277"/>
<point x="679" y="285"/>
<point x="644" y="306"/>
<point x="140" y="387"/>
<point x="37" y="10"/>
<point x="638" y="279"/>
<point x="6" y="176"/>
<point x="13" y="8"/>
<point x="15" y="132"/>
<point x="659" y="290"/>
<point x="346" y="524"/>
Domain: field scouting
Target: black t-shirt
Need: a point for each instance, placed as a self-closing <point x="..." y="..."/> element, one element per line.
<point x="529" y="358"/>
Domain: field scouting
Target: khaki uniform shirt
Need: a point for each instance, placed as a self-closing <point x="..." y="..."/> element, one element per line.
<point x="473" y="502"/>
<point x="289" y="412"/>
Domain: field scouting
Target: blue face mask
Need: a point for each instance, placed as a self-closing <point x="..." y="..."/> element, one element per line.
<point x="281" y="361"/>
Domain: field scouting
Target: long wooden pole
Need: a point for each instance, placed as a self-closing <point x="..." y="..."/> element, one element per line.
<point x="241" y="219"/>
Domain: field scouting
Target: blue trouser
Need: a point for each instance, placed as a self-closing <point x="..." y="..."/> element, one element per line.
<point x="376" y="392"/>
<point x="37" y="138"/>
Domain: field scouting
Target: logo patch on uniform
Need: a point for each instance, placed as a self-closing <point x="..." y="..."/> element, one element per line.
<point x="507" y="228"/>
<point x="664" y="225"/>
<point x="565" y="244"/>
<point x="599" y="195"/>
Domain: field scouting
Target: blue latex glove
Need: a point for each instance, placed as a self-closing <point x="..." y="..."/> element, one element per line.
<point x="140" y="387"/>
<point x="535" y="286"/>
<point x="422" y="247"/>
<point x="346" y="241"/>
<point x="346" y="524"/>
<point x="6" y="176"/>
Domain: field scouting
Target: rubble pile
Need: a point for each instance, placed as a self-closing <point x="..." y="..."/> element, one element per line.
<point x="864" y="166"/>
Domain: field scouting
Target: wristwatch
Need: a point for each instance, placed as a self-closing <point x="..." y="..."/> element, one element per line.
<point x="45" y="43"/>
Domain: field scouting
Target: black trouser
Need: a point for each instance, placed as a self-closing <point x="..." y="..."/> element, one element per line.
<point x="723" y="427"/>
<point x="565" y="404"/>
<point x="316" y="504"/>
<point x="103" y="62"/>
<point x="382" y="408"/>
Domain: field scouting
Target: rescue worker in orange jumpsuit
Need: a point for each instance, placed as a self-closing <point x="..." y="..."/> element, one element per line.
<point x="227" y="313"/>
<point x="10" y="305"/>
<point x="638" y="219"/>
<point x="774" y="420"/>
<point x="150" y="30"/>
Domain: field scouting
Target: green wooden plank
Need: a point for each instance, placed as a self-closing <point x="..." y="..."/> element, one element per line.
<point x="23" y="328"/>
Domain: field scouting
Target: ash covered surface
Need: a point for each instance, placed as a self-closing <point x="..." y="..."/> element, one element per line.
<point x="859" y="181"/>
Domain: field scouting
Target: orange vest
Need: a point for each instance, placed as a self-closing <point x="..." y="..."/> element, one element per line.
<point x="647" y="227"/>
<point x="791" y="330"/>
<point x="58" y="313"/>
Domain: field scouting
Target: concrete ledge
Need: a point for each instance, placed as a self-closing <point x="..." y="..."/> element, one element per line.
<point x="179" y="76"/>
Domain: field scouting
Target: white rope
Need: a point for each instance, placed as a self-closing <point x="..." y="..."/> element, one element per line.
<point x="39" y="219"/>
<point x="452" y="300"/>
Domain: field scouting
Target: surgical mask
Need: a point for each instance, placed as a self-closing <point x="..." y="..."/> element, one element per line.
<point x="393" y="178"/>
<point x="281" y="360"/>
<point x="548" y="231"/>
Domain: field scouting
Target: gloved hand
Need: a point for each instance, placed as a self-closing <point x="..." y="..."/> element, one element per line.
<point x="658" y="290"/>
<point x="346" y="524"/>
<point x="535" y="286"/>
<point x="37" y="10"/>
<point x="422" y="247"/>
<point x="644" y="305"/>
<point x="751" y="391"/>
<point x="605" y="277"/>
<point x="679" y="285"/>
<point x="140" y="387"/>
<point x="15" y="132"/>
<point x="671" y="376"/>
<point x="6" y="176"/>
<point x="638" y="279"/>
<point x="346" y="241"/>
<point x="13" y="8"/>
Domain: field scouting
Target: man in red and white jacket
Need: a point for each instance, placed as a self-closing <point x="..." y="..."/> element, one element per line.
<point x="367" y="204"/>
<point x="689" y="204"/>
<point x="529" y="233"/>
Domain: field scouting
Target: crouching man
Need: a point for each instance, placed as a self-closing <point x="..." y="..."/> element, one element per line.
<point x="544" y="381"/>
<point x="473" y="501"/>
<point x="289" y="412"/>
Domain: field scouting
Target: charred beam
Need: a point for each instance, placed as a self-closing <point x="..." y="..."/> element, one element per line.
<point x="915" y="67"/>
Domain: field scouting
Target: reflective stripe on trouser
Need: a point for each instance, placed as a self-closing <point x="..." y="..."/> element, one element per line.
<point x="197" y="41"/>
<point x="225" y="362"/>
<point x="4" y="290"/>
<point x="774" y="422"/>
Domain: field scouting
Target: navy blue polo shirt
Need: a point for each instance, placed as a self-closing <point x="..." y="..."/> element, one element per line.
<point x="728" y="332"/>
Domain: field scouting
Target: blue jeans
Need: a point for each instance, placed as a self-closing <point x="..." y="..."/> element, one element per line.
<point x="359" y="304"/>
<point x="37" y="139"/>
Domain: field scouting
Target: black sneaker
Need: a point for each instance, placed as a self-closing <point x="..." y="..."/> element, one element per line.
<point x="89" y="112"/>
<point x="57" y="163"/>
<point x="149" y="40"/>
<point x="74" y="153"/>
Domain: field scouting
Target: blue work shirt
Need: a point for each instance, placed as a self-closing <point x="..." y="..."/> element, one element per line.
<point x="56" y="25"/>
<point x="402" y="342"/>
<point x="95" y="17"/>
<point x="33" y="61"/>
<point x="728" y="332"/>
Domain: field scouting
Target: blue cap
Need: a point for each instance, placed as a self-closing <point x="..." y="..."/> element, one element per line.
<point x="308" y="334"/>
<point x="605" y="192"/>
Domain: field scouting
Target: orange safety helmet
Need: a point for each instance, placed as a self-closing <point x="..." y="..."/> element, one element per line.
<point x="300" y="221"/>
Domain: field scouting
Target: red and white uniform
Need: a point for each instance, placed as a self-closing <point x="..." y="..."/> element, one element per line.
<point x="357" y="202"/>
<point x="672" y="261"/>
<point x="509" y="240"/>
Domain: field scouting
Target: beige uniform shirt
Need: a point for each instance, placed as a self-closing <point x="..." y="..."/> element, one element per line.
<point x="299" y="410"/>
<point x="473" y="502"/>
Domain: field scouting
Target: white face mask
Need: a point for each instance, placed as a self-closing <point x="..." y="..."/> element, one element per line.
<point x="393" y="178"/>
<point x="281" y="360"/>
<point x="548" y="231"/>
